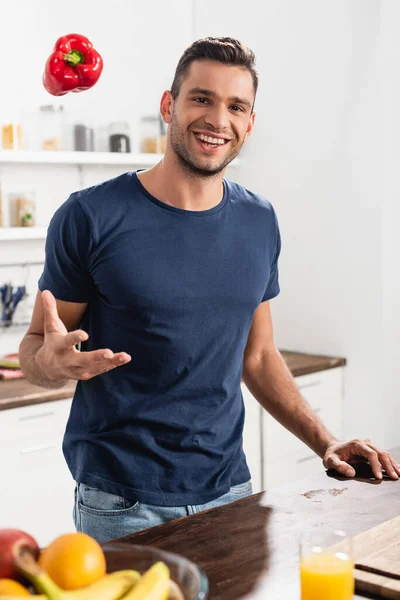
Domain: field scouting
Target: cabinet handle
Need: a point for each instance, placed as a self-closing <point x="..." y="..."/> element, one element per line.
<point x="310" y="384"/>
<point x="39" y="416"/>
<point x="306" y="458"/>
<point x="39" y="448"/>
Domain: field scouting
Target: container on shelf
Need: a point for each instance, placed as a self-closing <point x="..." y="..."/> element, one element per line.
<point x="83" y="138"/>
<point x="152" y="135"/>
<point x="11" y="135"/>
<point x="119" y="140"/>
<point x="22" y="209"/>
<point x="51" y="127"/>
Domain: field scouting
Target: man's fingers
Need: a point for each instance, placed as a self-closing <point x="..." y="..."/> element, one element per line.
<point x="75" y="337"/>
<point x="334" y="462"/>
<point x="51" y="319"/>
<point x="100" y="361"/>
<point x="396" y="465"/>
<point x="372" y="457"/>
<point x="386" y="462"/>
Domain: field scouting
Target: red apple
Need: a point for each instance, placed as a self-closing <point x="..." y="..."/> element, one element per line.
<point x="12" y="541"/>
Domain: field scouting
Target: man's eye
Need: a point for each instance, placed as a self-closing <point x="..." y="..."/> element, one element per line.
<point x="237" y="108"/>
<point x="200" y="100"/>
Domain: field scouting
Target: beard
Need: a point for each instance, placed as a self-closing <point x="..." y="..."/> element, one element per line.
<point x="188" y="160"/>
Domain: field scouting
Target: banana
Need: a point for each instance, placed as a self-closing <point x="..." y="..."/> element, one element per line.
<point x="175" y="592"/>
<point x="111" y="587"/>
<point x="153" y="585"/>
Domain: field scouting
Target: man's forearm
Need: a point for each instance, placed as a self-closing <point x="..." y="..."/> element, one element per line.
<point x="28" y="349"/>
<point x="272" y="384"/>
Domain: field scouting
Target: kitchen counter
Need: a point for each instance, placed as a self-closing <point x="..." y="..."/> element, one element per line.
<point x="19" y="392"/>
<point x="248" y="549"/>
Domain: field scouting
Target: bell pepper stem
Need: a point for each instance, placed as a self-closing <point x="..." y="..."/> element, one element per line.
<point x="75" y="57"/>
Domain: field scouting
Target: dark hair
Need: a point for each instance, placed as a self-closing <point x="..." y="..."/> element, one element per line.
<point x="225" y="50"/>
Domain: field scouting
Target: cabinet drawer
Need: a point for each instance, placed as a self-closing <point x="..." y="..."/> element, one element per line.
<point x="28" y="422"/>
<point x="323" y="391"/>
<point x="286" y="469"/>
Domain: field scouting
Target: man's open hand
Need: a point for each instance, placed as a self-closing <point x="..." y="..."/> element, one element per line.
<point x="59" y="358"/>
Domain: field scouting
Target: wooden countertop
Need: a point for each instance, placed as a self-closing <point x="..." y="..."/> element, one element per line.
<point x="19" y="392"/>
<point x="301" y="363"/>
<point x="249" y="549"/>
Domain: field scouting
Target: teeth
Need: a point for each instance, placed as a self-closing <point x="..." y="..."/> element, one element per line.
<point x="210" y="140"/>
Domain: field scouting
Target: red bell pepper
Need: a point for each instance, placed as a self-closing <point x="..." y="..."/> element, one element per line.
<point x="74" y="65"/>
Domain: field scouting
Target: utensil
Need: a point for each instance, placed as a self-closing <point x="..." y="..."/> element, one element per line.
<point x="10" y="301"/>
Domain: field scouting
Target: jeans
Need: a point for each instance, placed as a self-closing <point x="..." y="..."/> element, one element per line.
<point x="105" y="516"/>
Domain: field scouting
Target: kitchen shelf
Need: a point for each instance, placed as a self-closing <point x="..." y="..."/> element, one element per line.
<point x="22" y="233"/>
<point x="82" y="158"/>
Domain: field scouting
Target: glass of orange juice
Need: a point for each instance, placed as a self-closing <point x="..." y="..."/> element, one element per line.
<point x="326" y="566"/>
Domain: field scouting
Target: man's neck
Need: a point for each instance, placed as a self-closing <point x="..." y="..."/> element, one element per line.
<point x="169" y="182"/>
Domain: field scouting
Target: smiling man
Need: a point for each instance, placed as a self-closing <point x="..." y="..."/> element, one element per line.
<point x="165" y="276"/>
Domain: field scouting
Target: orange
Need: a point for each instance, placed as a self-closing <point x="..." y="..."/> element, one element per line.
<point x="9" y="587"/>
<point x="73" y="560"/>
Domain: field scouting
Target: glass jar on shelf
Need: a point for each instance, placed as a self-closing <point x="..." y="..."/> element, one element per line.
<point x="153" y="138"/>
<point x="23" y="207"/>
<point x="119" y="140"/>
<point x="11" y="135"/>
<point x="51" y="126"/>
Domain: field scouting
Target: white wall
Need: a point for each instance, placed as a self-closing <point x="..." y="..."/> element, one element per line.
<point x="390" y="19"/>
<point x="316" y="155"/>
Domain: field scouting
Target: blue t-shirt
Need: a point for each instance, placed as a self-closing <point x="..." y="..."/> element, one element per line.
<point x="177" y="290"/>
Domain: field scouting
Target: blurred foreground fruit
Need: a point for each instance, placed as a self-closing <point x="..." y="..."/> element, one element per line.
<point x="111" y="587"/>
<point x="10" y="587"/>
<point x="153" y="585"/>
<point x="73" y="560"/>
<point x="175" y="592"/>
<point x="12" y="542"/>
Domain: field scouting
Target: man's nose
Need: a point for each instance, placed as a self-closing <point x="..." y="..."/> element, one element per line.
<point x="218" y="117"/>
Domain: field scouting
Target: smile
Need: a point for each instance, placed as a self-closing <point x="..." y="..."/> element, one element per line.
<point x="208" y="142"/>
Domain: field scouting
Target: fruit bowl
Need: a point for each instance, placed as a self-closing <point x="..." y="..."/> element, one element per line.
<point x="190" y="578"/>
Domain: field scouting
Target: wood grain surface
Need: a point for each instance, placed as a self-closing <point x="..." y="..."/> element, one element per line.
<point x="249" y="549"/>
<point x="377" y="559"/>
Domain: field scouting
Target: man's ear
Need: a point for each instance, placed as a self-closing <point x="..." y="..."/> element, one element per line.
<point x="166" y="106"/>
<point x="250" y="127"/>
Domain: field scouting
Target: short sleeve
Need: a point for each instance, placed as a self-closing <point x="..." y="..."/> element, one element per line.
<point x="273" y="288"/>
<point x="68" y="246"/>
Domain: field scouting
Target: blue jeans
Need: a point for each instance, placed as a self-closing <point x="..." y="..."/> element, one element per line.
<point x="106" y="516"/>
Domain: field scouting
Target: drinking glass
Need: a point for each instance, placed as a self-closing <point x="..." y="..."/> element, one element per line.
<point x="326" y="565"/>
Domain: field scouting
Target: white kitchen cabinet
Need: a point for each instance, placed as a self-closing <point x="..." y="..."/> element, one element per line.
<point x="276" y="456"/>
<point x="36" y="485"/>
<point x="285" y="457"/>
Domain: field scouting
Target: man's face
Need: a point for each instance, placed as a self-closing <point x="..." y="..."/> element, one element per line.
<point x="211" y="117"/>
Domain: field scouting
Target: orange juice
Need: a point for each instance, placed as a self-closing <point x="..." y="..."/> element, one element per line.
<point x="326" y="576"/>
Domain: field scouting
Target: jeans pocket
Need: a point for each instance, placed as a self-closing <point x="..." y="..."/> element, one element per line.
<point x="242" y="489"/>
<point x="98" y="503"/>
<point x="104" y="516"/>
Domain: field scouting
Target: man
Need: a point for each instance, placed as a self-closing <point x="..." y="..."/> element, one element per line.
<point x="165" y="276"/>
